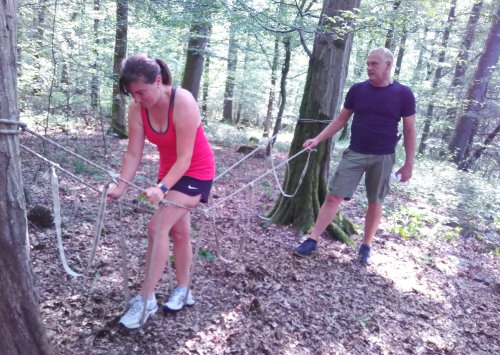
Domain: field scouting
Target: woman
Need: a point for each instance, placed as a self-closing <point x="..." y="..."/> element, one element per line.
<point x="169" y="118"/>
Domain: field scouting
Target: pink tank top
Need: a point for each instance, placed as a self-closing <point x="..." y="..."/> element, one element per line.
<point x="202" y="162"/>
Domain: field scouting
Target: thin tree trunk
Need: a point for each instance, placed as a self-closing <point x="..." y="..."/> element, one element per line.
<point x="270" y="103"/>
<point x="232" y="61"/>
<point x="21" y="328"/>
<point x="457" y="82"/>
<point x="199" y="34"/>
<point x="206" y="82"/>
<point x="94" y="83"/>
<point x="417" y="73"/>
<point x="469" y="163"/>
<point x="118" y="125"/>
<point x="284" y="74"/>
<point x="401" y="52"/>
<point x="323" y="88"/>
<point x="39" y="49"/>
<point x="476" y="93"/>
<point x="437" y="77"/>
<point x="239" y="119"/>
<point x="389" y="38"/>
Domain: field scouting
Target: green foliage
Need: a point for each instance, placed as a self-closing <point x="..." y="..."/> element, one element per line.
<point x="409" y="223"/>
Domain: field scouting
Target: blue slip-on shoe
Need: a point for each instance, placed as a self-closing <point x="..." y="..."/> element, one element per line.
<point x="364" y="254"/>
<point x="307" y="247"/>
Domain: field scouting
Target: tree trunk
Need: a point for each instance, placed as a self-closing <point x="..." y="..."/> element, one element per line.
<point x="417" y="73"/>
<point x="457" y="82"/>
<point x="270" y="103"/>
<point x="244" y="120"/>
<point x="94" y="82"/>
<point x="321" y="99"/>
<point x="199" y="34"/>
<point x="39" y="49"/>
<point x="467" y="164"/>
<point x="118" y="125"/>
<point x="401" y="52"/>
<point x="21" y="328"/>
<point x="437" y="76"/>
<point x="284" y="74"/>
<point x="232" y="61"/>
<point x="206" y="81"/>
<point x="389" y="38"/>
<point x="476" y="93"/>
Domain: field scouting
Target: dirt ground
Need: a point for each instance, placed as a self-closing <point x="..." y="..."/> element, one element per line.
<point x="425" y="296"/>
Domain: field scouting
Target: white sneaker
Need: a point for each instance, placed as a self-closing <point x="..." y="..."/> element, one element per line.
<point x="176" y="299"/>
<point x="132" y="319"/>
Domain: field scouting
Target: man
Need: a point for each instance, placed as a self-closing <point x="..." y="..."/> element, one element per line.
<point x="378" y="105"/>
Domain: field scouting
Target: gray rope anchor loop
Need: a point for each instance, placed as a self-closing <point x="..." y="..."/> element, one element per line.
<point x="12" y="122"/>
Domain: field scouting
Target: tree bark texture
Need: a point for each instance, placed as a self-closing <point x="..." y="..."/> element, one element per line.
<point x="270" y="103"/>
<point x="232" y="61"/>
<point x="199" y="34"/>
<point x="21" y="328"/>
<point x="438" y="74"/>
<point x="321" y="99"/>
<point x="457" y="82"/>
<point x="476" y="92"/>
<point x="118" y="125"/>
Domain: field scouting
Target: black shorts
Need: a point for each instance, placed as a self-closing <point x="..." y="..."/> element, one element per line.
<point x="193" y="187"/>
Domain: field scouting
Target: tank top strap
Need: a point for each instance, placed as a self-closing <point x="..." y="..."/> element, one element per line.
<point x="171" y="107"/>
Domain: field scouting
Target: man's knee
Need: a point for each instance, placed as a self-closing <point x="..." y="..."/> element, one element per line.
<point x="333" y="200"/>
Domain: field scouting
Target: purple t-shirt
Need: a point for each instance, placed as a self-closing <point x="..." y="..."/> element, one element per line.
<point x="377" y="112"/>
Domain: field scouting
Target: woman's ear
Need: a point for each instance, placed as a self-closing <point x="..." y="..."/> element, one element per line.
<point x="159" y="80"/>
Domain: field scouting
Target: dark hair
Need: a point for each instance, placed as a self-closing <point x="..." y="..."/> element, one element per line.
<point x="142" y="67"/>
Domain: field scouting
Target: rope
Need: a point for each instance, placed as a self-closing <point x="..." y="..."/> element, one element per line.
<point x="98" y="227"/>
<point x="194" y="260"/>
<point x="14" y="122"/>
<point x="113" y="175"/>
<point x="50" y="162"/>
<point x="250" y="196"/>
<point x="312" y="120"/>
<point x="147" y="282"/>
<point x="57" y="220"/>
<point x="123" y="254"/>
<point x="9" y="131"/>
<point x="263" y="144"/>
<point x="218" y="203"/>
<point x="301" y="179"/>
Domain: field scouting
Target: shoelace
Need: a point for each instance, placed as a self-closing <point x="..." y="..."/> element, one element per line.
<point x="136" y="307"/>
<point x="178" y="295"/>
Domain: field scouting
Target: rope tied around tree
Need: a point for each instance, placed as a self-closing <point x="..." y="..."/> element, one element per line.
<point x="20" y="124"/>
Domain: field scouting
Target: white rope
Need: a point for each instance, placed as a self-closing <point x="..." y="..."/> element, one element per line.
<point x="57" y="220"/>
<point x="99" y="224"/>
<point x="301" y="179"/>
<point x="123" y="254"/>
<point x="218" y="203"/>
<point x="261" y="145"/>
<point x="250" y="208"/>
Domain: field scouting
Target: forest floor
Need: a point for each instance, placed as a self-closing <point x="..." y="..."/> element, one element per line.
<point x="434" y="290"/>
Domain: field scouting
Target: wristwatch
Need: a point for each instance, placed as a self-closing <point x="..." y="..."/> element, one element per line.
<point x="163" y="188"/>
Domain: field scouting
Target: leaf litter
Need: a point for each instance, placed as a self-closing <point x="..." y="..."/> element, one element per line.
<point x="420" y="296"/>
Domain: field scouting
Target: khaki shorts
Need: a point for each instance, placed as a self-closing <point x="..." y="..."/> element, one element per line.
<point x="351" y="168"/>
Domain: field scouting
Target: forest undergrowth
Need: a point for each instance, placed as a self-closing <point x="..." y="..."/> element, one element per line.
<point x="434" y="286"/>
